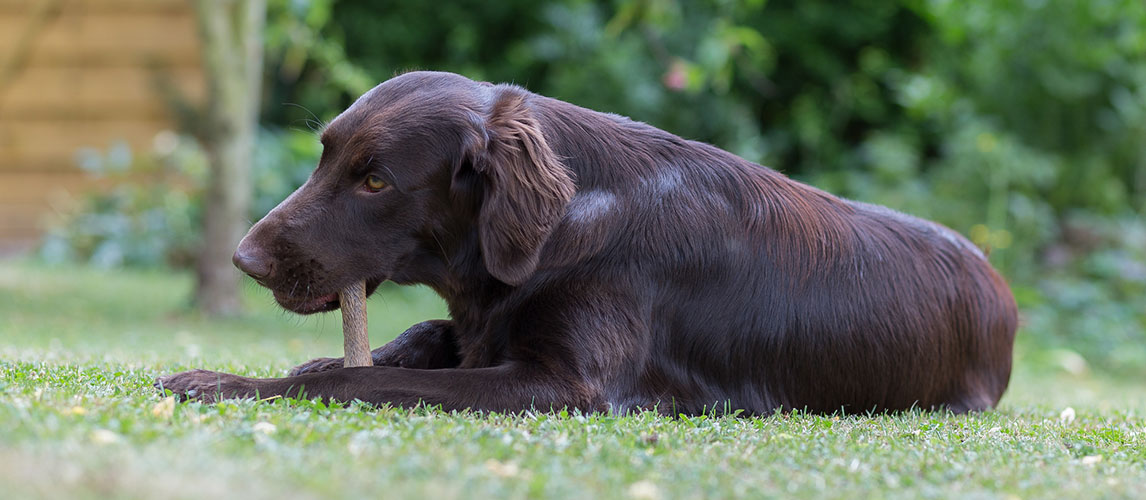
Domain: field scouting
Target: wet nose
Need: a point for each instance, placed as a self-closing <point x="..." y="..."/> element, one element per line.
<point x="252" y="260"/>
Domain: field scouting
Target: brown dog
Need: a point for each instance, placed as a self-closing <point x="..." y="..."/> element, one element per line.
<point x="594" y="262"/>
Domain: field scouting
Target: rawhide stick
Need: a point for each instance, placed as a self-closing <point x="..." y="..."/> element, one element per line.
<point x="356" y="339"/>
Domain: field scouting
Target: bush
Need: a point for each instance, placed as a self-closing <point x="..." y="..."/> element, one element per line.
<point x="148" y="217"/>
<point x="151" y="215"/>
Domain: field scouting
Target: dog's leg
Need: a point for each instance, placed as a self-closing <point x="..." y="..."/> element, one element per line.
<point x="511" y="387"/>
<point x="426" y="345"/>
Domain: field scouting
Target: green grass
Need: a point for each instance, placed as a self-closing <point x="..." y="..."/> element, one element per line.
<point x="79" y="419"/>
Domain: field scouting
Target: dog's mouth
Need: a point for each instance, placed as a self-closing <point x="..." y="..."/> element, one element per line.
<point x="316" y="303"/>
<point x="307" y="305"/>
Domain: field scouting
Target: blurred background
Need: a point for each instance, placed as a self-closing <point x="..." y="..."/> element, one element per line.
<point x="139" y="135"/>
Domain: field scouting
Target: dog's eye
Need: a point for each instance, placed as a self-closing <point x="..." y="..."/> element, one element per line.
<point x="374" y="183"/>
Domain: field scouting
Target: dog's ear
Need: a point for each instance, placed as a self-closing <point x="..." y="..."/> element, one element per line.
<point x="526" y="187"/>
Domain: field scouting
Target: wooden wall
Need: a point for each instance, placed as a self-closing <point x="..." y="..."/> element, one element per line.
<point x="85" y="80"/>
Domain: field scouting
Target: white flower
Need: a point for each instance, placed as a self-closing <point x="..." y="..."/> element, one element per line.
<point x="104" y="436"/>
<point x="644" y="490"/>
<point x="1067" y="415"/>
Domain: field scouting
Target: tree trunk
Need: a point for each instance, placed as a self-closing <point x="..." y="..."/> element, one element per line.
<point x="231" y="32"/>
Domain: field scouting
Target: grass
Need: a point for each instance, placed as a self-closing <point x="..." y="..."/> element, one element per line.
<point x="79" y="419"/>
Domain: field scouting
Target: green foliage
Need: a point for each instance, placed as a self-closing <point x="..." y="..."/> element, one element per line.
<point x="296" y="44"/>
<point x="148" y="217"/>
<point x="151" y="215"/>
<point x="283" y="162"/>
<point x="1036" y="102"/>
<point x="1089" y="298"/>
<point x="1065" y="77"/>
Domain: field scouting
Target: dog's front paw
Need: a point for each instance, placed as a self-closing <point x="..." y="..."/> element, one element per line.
<point x="206" y="386"/>
<point x="317" y="365"/>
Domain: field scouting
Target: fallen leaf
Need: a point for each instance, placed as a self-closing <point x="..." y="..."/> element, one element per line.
<point x="504" y="470"/>
<point x="164" y="408"/>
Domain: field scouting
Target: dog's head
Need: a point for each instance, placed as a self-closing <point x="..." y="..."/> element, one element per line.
<point x="407" y="173"/>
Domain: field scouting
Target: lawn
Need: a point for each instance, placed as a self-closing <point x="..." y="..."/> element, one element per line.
<point x="79" y="419"/>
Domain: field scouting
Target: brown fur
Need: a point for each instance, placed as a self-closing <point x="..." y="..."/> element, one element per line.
<point x="594" y="262"/>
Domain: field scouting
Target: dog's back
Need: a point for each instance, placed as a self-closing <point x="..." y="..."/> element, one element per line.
<point x="768" y="293"/>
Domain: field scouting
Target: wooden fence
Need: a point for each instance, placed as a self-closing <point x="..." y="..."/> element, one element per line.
<point x="76" y="74"/>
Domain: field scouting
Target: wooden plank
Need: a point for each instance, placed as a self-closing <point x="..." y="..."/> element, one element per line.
<point x="15" y="246"/>
<point x="39" y="190"/>
<point x="54" y="145"/>
<point x="83" y="84"/>
<point x="25" y="6"/>
<point x="23" y="220"/>
<point x="106" y="36"/>
<point x="88" y="91"/>
<point x="175" y="59"/>
<point x="29" y="201"/>
<point x="154" y="112"/>
<point x="145" y="111"/>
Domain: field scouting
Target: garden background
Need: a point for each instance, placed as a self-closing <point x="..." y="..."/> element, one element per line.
<point x="1019" y="123"/>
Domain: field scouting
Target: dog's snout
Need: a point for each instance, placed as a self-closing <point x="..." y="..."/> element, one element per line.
<point x="252" y="260"/>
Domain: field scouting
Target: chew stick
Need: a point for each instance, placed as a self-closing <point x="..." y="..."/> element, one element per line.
<point x="356" y="339"/>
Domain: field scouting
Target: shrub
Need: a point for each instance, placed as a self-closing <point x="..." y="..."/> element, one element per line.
<point x="151" y="214"/>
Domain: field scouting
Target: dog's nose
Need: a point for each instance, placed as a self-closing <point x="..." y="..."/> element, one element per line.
<point x="252" y="260"/>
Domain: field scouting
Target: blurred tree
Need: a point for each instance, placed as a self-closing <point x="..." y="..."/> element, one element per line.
<point x="232" y="34"/>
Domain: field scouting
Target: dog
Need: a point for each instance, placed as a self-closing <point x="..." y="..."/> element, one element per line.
<point x="596" y="263"/>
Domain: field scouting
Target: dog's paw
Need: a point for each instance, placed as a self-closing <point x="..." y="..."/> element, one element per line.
<point x="206" y="386"/>
<point x="317" y="365"/>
